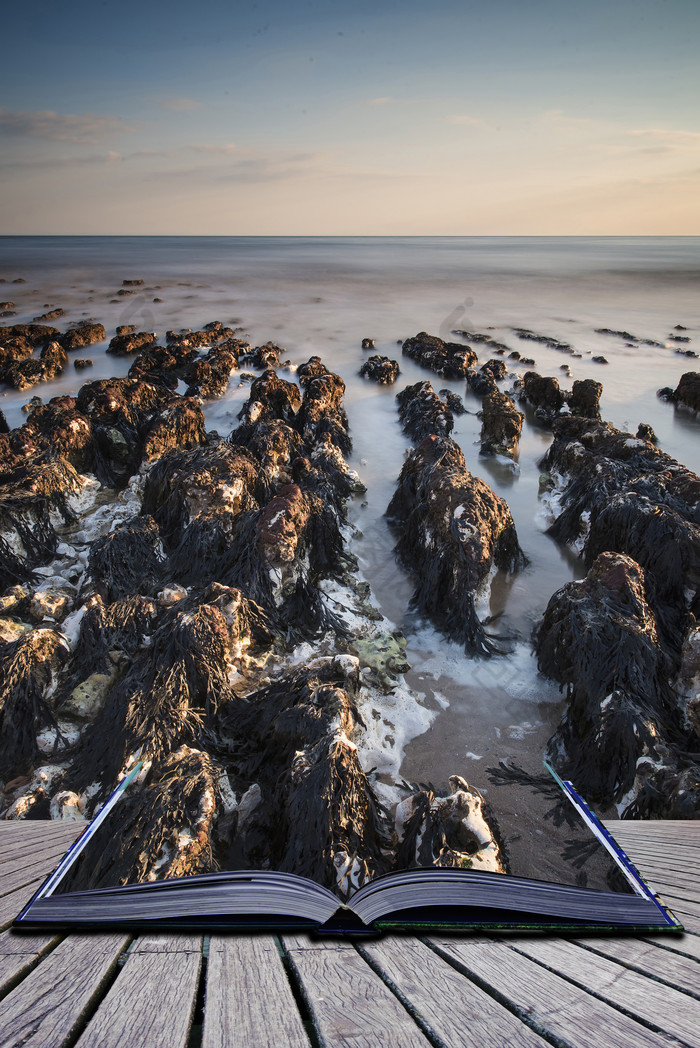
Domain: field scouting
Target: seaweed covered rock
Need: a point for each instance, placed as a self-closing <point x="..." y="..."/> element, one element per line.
<point x="180" y="424"/>
<point x="128" y="561"/>
<point x="599" y="639"/>
<point x="322" y="413"/>
<point x="128" y="342"/>
<point x="380" y="369"/>
<point x="27" y="669"/>
<point x="501" y="425"/>
<point x="445" y="358"/>
<point x="687" y="392"/>
<point x="170" y="691"/>
<point x="316" y="812"/>
<point x="86" y="333"/>
<point x="543" y="394"/>
<point x="314" y="366"/>
<point x="584" y="398"/>
<point x="53" y="359"/>
<point x="481" y="383"/>
<point x="622" y="494"/>
<point x="452" y="528"/>
<point x="447" y="830"/>
<point x="422" y="413"/>
<point x="271" y="398"/>
<point x="208" y="376"/>
<point x="162" y="830"/>
<point x="267" y="356"/>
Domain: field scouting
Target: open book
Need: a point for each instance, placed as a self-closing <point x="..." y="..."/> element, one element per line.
<point x="416" y="898"/>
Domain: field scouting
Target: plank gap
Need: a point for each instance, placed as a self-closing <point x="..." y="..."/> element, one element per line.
<point x="297" y="987"/>
<point x="640" y="970"/>
<point x="505" y="1002"/>
<point x="647" y="1023"/>
<point x="197" y="1026"/>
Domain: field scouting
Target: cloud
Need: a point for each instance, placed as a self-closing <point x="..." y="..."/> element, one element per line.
<point x="88" y="160"/>
<point x="458" y="118"/>
<point x="180" y="105"/>
<point x="61" y="127"/>
<point x="382" y="101"/>
<point x="218" y="150"/>
<point x="664" y="140"/>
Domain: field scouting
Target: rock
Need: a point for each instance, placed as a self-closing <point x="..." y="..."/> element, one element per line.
<point x="4" y="428"/>
<point x="453" y="401"/>
<point x="546" y="340"/>
<point x="54" y="358"/>
<point x="36" y="334"/>
<point x="501" y="425"/>
<point x="267" y="356"/>
<point x="627" y="337"/>
<point x="52" y="603"/>
<point x="180" y="424"/>
<point x="81" y="363"/>
<point x="380" y="369"/>
<point x="85" y="334"/>
<point x="27" y="668"/>
<point x="171" y="595"/>
<point x="88" y="698"/>
<point x="313" y="367"/>
<point x="384" y="654"/>
<point x="445" y="358"/>
<point x="10" y="631"/>
<point x="126" y="329"/>
<point x="128" y="561"/>
<point x="423" y="413"/>
<point x="584" y="398"/>
<point x="599" y="638"/>
<point x="68" y="805"/>
<point x="599" y="360"/>
<point x="447" y="830"/>
<point x="271" y="398"/>
<point x="687" y="391"/>
<point x="452" y="528"/>
<point x="368" y="343"/>
<point x="543" y="394"/>
<point x="130" y="342"/>
<point x="53" y="314"/>
<point x="132" y="283"/>
<point x="496" y="368"/>
<point x="645" y="432"/>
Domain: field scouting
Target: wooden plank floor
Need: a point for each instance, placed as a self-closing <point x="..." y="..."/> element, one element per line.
<point x="255" y="991"/>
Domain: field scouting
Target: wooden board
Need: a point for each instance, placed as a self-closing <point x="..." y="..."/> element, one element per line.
<point x="349" y="1003"/>
<point x="249" y="1000"/>
<point x="650" y="959"/>
<point x="449" y="1006"/>
<point x="555" y="1006"/>
<point x="51" y="1004"/>
<point x="659" y="1005"/>
<point x="151" y="1003"/>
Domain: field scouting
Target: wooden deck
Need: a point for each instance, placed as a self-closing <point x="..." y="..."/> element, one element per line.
<point x="193" y="991"/>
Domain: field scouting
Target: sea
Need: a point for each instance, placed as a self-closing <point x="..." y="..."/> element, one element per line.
<point x="323" y="295"/>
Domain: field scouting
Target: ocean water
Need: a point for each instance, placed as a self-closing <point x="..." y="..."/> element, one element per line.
<point x="323" y="296"/>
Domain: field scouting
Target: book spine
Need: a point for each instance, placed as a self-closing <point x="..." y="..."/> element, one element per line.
<point x="629" y="871"/>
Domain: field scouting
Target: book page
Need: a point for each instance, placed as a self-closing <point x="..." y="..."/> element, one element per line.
<point x="342" y="569"/>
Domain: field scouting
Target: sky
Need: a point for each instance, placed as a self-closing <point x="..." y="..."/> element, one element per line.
<point x="517" y="117"/>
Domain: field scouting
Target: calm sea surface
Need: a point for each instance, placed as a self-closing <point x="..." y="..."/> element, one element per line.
<point x="322" y="296"/>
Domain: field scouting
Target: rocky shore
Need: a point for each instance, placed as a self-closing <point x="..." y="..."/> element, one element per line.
<point x="191" y="600"/>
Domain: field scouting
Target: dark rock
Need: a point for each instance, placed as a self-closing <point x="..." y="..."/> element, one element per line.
<point x="481" y="383"/>
<point x="7" y="305"/>
<point x="132" y="283"/>
<point x="271" y="398"/>
<point x="496" y="368"/>
<point x="267" y="356"/>
<point x="543" y="394"/>
<point x="599" y="360"/>
<point x="53" y="314"/>
<point x="322" y="414"/>
<point x="37" y="334"/>
<point x="666" y="393"/>
<point x="445" y="358"/>
<point x="626" y="496"/>
<point x="368" y="343"/>
<point x="314" y="366"/>
<point x="679" y="327"/>
<point x="81" y="363"/>
<point x="128" y="561"/>
<point x="180" y="424"/>
<point x="126" y="329"/>
<point x="54" y="359"/>
<point x="27" y="668"/>
<point x="687" y="391"/>
<point x="645" y="432"/>
<point x="514" y="355"/>
<point x="380" y="369"/>
<point x="501" y="425"/>
<point x="546" y="340"/>
<point x="627" y="337"/>
<point x="451" y="529"/>
<point x="131" y="342"/>
<point x="599" y="638"/>
<point x="584" y="398"/>
<point x="86" y="334"/>
<point x="422" y="413"/>
<point x="4" y="428"/>
<point x="674" y="338"/>
<point x="454" y="401"/>
<point x="25" y="374"/>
